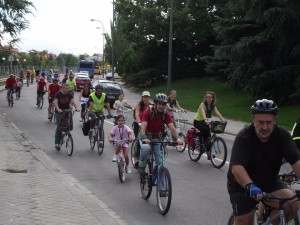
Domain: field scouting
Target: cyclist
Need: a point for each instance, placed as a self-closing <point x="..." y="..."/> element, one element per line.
<point x="28" y="75"/>
<point x="64" y="80"/>
<point x="138" y="112"/>
<point x="62" y="100"/>
<point x="84" y="98"/>
<point x="32" y="73"/>
<point x="55" y="76"/>
<point x="71" y="83"/>
<point x="203" y="115"/>
<point x="19" y="86"/>
<point x="37" y="75"/>
<point x="296" y="133"/>
<point x="121" y="104"/>
<point x="53" y="88"/>
<point x="97" y="101"/>
<point x="120" y="132"/>
<point x="41" y="87"/>
<point x="255" y="162"/>
<point x="21" y="76"/>
<point x="152" y="128"/>
<point x="10" y="84"/>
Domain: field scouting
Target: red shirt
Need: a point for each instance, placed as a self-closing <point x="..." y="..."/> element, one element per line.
<point x="10" y="82"/>
<point x="53" y="89"/>
<point x="156" y="124"/>
<point x="41" y="84"/>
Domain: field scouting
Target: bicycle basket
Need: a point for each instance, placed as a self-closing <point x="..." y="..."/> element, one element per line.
<point x="66" y="122"/>
<point x="218" y="126"/>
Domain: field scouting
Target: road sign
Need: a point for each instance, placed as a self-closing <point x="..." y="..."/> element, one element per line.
<point x="11" y="58"/>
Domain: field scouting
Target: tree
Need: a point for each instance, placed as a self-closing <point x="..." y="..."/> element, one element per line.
<point x="12" y="18"/>
<point x="259" y="48"/>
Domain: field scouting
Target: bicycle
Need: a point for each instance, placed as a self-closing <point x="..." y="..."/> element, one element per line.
<point x="168" y="136"/>
<point x="158" y="176"/>
<point x="121" y="160"/>
<point x="27" y="81"/>
<point x="215" y="147"/>
<point x="85" y="113"/>
<point x="40" y="100"/>
<point x="97" y="135"/>
<point x="135" y="148"/>
<point x="66" y="138"/>
<point x="10" y="97"/>
<point x="18" y="93"/>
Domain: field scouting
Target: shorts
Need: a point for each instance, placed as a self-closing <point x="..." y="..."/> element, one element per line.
<point x="242" y="204"/>
<point x="40" y="92"/>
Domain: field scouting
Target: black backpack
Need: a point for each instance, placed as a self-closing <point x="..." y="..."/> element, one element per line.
<point x="86" y="128"/>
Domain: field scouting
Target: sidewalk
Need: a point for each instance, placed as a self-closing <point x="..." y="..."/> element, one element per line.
<point x="35" y="190"/>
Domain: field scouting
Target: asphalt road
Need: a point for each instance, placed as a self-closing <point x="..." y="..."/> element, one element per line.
<point x="199" y="190"/>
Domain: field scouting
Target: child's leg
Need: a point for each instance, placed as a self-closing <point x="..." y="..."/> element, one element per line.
<point x="125" y="151"/>
<point x="117" y="149"/>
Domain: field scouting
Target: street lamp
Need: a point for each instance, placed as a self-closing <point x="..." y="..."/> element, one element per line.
<point x="104" y="31"/>
<point x="170" y="48"/>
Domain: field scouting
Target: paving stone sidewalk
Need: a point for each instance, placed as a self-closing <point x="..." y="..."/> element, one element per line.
<point x="35" y="190"/>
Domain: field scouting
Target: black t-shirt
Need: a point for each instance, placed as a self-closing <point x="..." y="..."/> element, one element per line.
<point x="63" y="100"/>
<point x="262" y="161"/>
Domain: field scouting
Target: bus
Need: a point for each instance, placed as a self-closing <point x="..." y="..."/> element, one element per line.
<point x="86" y="65"/>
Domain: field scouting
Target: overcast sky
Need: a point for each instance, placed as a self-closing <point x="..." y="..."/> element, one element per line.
<point x="65" y="26"/>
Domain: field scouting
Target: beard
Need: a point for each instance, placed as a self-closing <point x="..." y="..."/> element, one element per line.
<point x="263" y="134"/>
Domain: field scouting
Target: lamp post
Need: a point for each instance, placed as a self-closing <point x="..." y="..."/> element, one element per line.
<point x="104" y="31"/>
<point x="24" y="60"/>
<point x="113" y="43"/>
<point x="170" y="48"/>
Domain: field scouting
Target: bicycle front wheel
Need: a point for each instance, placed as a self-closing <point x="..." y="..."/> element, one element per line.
<point x="194" y="153"/>
<point x="164" y="191"/>
<point x="93" y="138"/>
<point x="69" y="144"/>
<point x="121" y="170"/>
<point x="41" y="102"/>
<point x="231" y="220"/>
<point x="181" y="148"/>
<point x="100" y="142"/>
<point x="218" y="151"/>
<point x="146" y="183"/>
<point x="133" y="152"/>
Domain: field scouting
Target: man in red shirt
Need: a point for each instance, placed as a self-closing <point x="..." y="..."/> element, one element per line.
<point x="41" y="86"/>
<point x="10" y="83"/>
<point x="52" y="90"/>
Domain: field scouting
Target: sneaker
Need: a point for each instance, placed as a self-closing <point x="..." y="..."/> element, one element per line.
<point x="127" y="169"/>
<point x="57" y="147"/>
<point x="90" y="133"/>
<point x="115" y="158"/>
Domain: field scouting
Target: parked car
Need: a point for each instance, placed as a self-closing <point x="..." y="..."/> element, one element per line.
<point x="109" y="76"/>
<point x="111" y="88"/>
<point x="81" y="79"/>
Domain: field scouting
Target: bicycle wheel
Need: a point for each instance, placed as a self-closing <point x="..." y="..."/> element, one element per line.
<point x="17" y="95"/>
<point x="11" y="100"/>
<point x="100" y="142"/>
<point x="121" y="170"/>
<point x="231" y="220"/>
<point x="93" y="138"/>
<point x="218" y="151"/>
<point x="194" y="153"/>
<point x="164" y="191"/>
<point x="69" y="144"/>
<point x="181" y="148"/>
<point x="146" y="183"/>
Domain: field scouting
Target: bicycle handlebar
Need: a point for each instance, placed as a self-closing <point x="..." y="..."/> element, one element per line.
<point x="268" y="197"/>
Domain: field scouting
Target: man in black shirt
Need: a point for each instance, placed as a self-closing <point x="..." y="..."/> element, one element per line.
<point x="62" y="100"/>
<point x="255" y="162"/>
<point x="296" y="133"/>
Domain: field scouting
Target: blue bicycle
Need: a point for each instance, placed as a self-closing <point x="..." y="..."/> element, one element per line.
<point x="158" y="176"/>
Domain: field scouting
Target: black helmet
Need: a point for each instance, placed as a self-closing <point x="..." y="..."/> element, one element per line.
<point x="264" y="106"/>
<point x="98" y="87"/>
<point x="160" y="97"/>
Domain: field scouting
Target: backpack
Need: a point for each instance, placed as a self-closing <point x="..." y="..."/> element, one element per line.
<point x="190" y="136"/>
<point x="86" y="128"/>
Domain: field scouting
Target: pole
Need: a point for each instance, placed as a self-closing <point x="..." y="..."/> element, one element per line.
<point x="112" y="43"/>
<point x="170" y="48"/>
<point x="103" y="55"/>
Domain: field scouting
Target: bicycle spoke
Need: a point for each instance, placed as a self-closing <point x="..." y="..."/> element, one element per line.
<point x="164" y="191"/>
<point x="218" y="152"/>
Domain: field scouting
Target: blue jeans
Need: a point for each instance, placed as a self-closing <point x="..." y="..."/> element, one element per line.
<point x="145" y="150"/>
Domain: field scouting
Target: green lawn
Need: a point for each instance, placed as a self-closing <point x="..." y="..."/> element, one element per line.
<point x="232" y="104"/>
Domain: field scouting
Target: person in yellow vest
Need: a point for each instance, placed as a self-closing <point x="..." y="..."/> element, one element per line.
<point x="97" y="101"/>
<point x="71" y="83"/>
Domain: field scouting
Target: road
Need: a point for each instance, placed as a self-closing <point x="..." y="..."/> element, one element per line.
<point x="199" y="190"/>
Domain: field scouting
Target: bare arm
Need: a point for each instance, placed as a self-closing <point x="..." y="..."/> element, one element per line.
<point x="137" y="112"/>
<point x="296" y="168"/>
<point x="174" y="133"/>
<point x="74" y="104"/>
<point x="55" y="102"/>
<point x="241" y="175"/>
<point x="218" y="114"/>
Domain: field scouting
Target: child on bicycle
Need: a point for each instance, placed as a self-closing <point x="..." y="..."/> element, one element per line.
<point x="121" y="134"/>
<point x="121" y="104"/>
